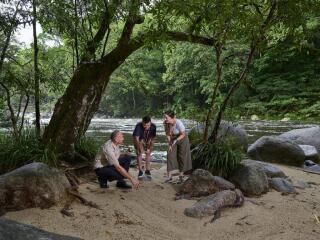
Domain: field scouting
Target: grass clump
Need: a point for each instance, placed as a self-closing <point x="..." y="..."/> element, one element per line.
<point x="27" y="148"/>
<point x="218" y="158"/>
<point x="87" y="146"/>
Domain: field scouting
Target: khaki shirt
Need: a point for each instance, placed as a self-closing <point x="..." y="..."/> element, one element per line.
<point x="107" y="155"/>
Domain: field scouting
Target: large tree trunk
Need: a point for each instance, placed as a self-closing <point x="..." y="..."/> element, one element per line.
<point x="75" y="107"/>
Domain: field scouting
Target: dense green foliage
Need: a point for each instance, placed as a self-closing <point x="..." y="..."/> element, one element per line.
<point x="220" y="159"/>
<point x="16" y="153"/>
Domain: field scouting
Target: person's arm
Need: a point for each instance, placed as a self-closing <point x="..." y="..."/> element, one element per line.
<point x="150" y="144"/>
<point x="136" y="138"/>
<point x="124" y="173"/>
<point x="182" y="132"/>
<point x="136" y="143"/>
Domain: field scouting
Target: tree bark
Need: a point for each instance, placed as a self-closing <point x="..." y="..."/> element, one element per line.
<point x="234" y="87"/>
<point x="73" y="107"/>
<point x="218" y="49"/>
<point x="36" y="69"/>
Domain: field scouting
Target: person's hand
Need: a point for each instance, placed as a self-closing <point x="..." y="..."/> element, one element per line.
<point x="170" y="148"/>
<point x="148" y="151"/>
<point x="128" y="152"/>
<point x="135" y="183"/>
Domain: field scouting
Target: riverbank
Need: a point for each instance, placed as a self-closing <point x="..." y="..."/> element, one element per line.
<point x="152" y="213"/>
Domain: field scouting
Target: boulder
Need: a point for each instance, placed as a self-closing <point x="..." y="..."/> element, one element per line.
<point x="310" y="152"/>
<point x="251" y="180"/>
<point x="278" y="150"/>
<point x="33" y="185"/>
<point x="203" y="183"/>
<point x="270" y="170"/>
<point x="12" y="230"/>
<point x="231" y="132"/>
<point x="281" y="185"/>
<point x="210" y="205"/>
<point x="305" y="136"/>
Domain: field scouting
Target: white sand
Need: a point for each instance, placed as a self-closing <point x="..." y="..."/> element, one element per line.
<point x="151" y="213"/>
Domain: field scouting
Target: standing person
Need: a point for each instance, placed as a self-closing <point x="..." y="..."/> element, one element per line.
<point x="143" y="139"/>
<point x="178" y="155"/>
<point x="110" y="165"/>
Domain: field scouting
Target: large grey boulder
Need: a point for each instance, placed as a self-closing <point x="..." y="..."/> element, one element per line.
<point x="33" y="185"/>
<point x="203" y="183"/>
<point x="269" y="169"/>
<point x="310" y="152"/>
<point x="209" y="205"/>
<point x="282" y="185"/>
<point x="12" y="230"/>
<point x="231" y="132"/>
<point x="305" y="136"/>
<point x="251" y="180"/>
<point x="278" y="150"/>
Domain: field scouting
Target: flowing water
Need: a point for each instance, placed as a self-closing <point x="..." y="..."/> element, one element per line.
<point x="101" y="129"/>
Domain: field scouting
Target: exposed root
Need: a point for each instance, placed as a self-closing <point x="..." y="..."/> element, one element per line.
<point x="73" y="179"/>
<point x="84" y="201"/>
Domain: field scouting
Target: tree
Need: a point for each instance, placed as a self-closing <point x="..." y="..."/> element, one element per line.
<point x="36" y="68"/>
<point x="74" y="110"/>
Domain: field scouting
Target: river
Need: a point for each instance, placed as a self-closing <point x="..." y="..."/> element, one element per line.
<point x="101" y="129"/>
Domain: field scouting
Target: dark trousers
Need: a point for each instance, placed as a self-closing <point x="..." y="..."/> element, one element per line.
<point x="110" y="173"/>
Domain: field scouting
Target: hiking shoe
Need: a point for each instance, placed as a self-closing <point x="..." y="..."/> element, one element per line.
<point x="123" y="184"/>
<point x="140" y="175"/>
<point x="147" y="173"/>
<point x="103" y="184"/>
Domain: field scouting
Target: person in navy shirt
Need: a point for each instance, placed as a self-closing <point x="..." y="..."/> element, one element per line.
<point x="143" y="138"/>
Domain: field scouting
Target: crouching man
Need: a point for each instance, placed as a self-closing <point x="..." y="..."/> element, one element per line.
<point x="110" y="165"/>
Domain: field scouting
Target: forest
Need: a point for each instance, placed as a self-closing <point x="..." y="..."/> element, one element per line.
<point x="206" y="60"/>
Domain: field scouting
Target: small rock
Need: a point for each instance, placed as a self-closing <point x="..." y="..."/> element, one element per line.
<point x="314" y="168"/>
<point x="281" y="185"/>
<point x="301" y="185"/>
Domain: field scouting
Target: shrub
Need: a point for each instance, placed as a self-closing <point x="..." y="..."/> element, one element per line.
<point x="218" y="158"/>
<point x="15" y="153"/>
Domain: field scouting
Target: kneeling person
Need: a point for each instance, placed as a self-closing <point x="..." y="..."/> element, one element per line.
<point x="110" y="165"/>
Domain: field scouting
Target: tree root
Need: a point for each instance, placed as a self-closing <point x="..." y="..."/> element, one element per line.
<point x="73" y="179"/>
<point x="76" y="194"/>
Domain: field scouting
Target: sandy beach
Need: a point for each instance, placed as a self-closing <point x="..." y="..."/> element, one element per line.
<point x="152" y="213"/>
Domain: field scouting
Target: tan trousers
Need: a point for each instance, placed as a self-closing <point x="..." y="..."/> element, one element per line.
<point x="180" y="156"/>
